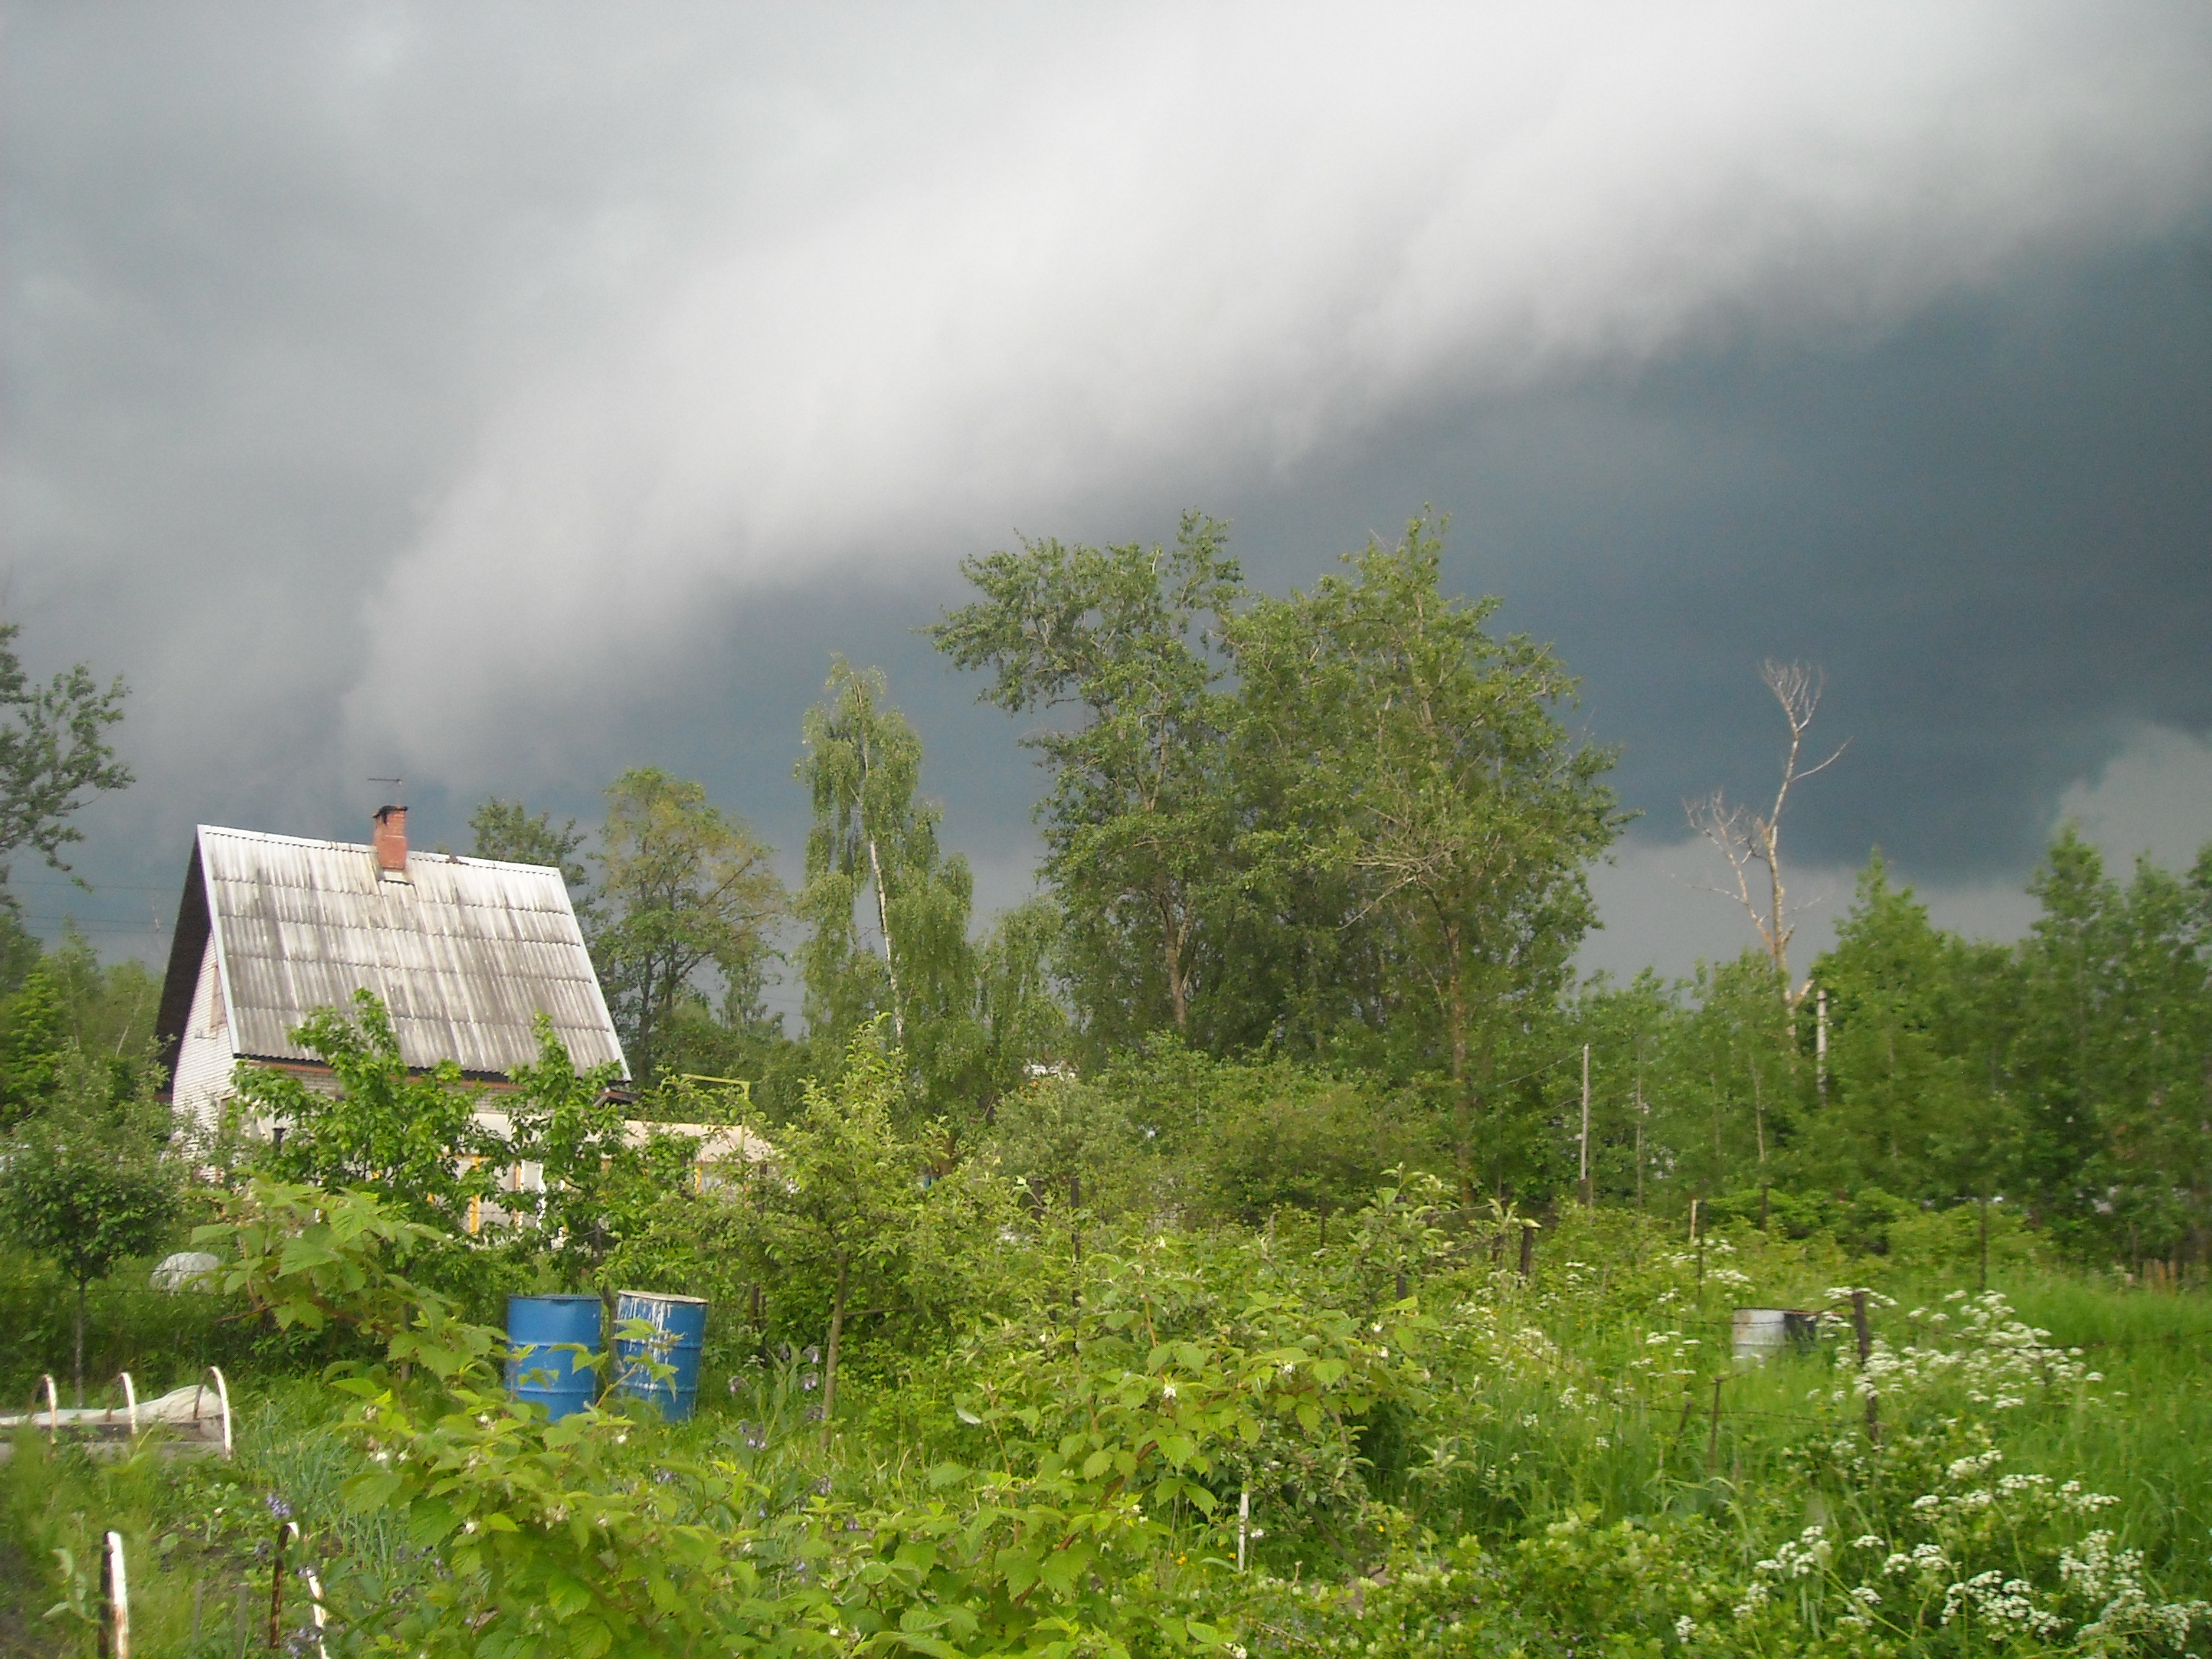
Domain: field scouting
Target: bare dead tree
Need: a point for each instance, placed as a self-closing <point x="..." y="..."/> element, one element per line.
<point x="1752" y="843"/>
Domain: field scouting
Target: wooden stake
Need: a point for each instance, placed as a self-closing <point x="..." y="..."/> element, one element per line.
<point x="1527" y="1248"/>
<point x="115" y="1600"/>
<point x="1864" y="1331"/>
<point x="1713" y="1435"/>
<point x="276" y="1587"/>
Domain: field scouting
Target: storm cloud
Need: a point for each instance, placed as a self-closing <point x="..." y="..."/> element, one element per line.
<point x="501" y="395"/>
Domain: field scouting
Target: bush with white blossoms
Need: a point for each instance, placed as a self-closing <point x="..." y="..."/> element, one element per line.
<point x="1992" y="1558"/>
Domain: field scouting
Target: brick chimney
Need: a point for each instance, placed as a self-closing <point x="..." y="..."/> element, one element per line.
<point x="391" y="841"/>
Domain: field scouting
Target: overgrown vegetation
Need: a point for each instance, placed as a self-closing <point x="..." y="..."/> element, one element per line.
<point x="1261" y="1242"/>
<point x="1051" y="1441"/>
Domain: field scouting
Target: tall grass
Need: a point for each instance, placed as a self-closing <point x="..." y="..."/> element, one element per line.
<point x="1588" y="1417"/>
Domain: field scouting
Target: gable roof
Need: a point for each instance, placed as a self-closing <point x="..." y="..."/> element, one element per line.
<point x="465" y="952"/>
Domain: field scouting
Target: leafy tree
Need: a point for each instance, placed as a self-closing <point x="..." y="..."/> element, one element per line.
<point x="20" y="949"/>
<point x="873" y="846"/>
<point x="1140" y="817"/>
<point x="410" y="1135"/>
<point x="87" y="1182"/>
<point x="685" y="889"/>
<point x="1023" y="1023"/>
<point x="2108" y="1060"/>
<point x="1630" y="1030"/>
<point x="1420" y="761"/>
<point x="1730" y="1081"/>
<point x="969" y="1016"/>
<point x="1907" y="1108"/>
<point x="1282" y="1138"/>
<point x="110" y="1009"/>
<point x="2070" y="995"/>
<point x="567" y="1123"/>
<point x="1074" y="1143"/>
<point x="33" y="1043"/>
<point x="2157" y="1036"/>
<point x="507" y="829"/>
<point x="54" y="751"/>
<point x="843" y="1198"/>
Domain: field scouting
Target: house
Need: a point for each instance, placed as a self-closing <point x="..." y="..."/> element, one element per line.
<point x="465" y="952"/>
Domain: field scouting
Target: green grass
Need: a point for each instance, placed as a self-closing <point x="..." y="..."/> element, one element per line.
<point x="1554" y="1434"/>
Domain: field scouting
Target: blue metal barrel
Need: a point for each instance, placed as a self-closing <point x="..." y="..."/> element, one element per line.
<point x="679" y="1327"/>
<point x="555" y="1381"/>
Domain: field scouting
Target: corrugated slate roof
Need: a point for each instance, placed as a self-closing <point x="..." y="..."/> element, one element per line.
<point x="465" y="952"/>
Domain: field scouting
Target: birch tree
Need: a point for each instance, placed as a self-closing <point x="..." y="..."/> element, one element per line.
<point x="874" y="849"/>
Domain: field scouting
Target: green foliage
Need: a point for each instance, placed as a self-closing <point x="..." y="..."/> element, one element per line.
<point x="1018" y="1005"/>
<point x="1417" y="764"/>
<point x="1438" y="1457"/>
<point x="567" y="1123"/>
<point x="844" y="1200"/>
<point x="32" y="1044"/>
<point x="874" y="847"/>
<point x="410" y="1135"/>
<point x="54" y="751"/>
<point x="507" y="829"/>
<point x="2114" y="1021"/>
<point x="66" y="998"/>
<point x="683" y="889"/>
<point x="307" y="1257"/>
<point x="1074" y="1143"/>
<point x="1140" y="814"/>
<point x="87" y="1182"/>
<point x="1908" y="1105"/>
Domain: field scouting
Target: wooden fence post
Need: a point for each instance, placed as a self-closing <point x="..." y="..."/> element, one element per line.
<point x="276" y="1587"/>
<point x="1864" y="1331"/>
<point x="1713" y="1435"/>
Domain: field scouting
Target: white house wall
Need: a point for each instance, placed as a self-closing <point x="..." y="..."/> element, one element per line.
<point x="205" y="1058"/>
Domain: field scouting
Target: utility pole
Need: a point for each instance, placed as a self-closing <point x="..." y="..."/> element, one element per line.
<point x="1642" y="1112"/>
<point x="1589" y="1198"/>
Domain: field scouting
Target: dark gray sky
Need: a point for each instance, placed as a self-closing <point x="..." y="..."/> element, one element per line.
<point x="504" y="394"/>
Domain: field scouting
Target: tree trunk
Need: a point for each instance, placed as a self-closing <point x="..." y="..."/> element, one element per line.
<point x="830" y="1355"/>
<point x="80" y="1344"/>
<point x="1171" y="943"/>
<point x="890" y="960"/>
<point x="1758" y="1121"/>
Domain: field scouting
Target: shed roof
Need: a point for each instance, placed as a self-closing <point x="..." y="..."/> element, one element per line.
<point x="465" y="952"/>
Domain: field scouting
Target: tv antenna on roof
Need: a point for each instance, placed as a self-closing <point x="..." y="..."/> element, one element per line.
<point x="398" y="785"/>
